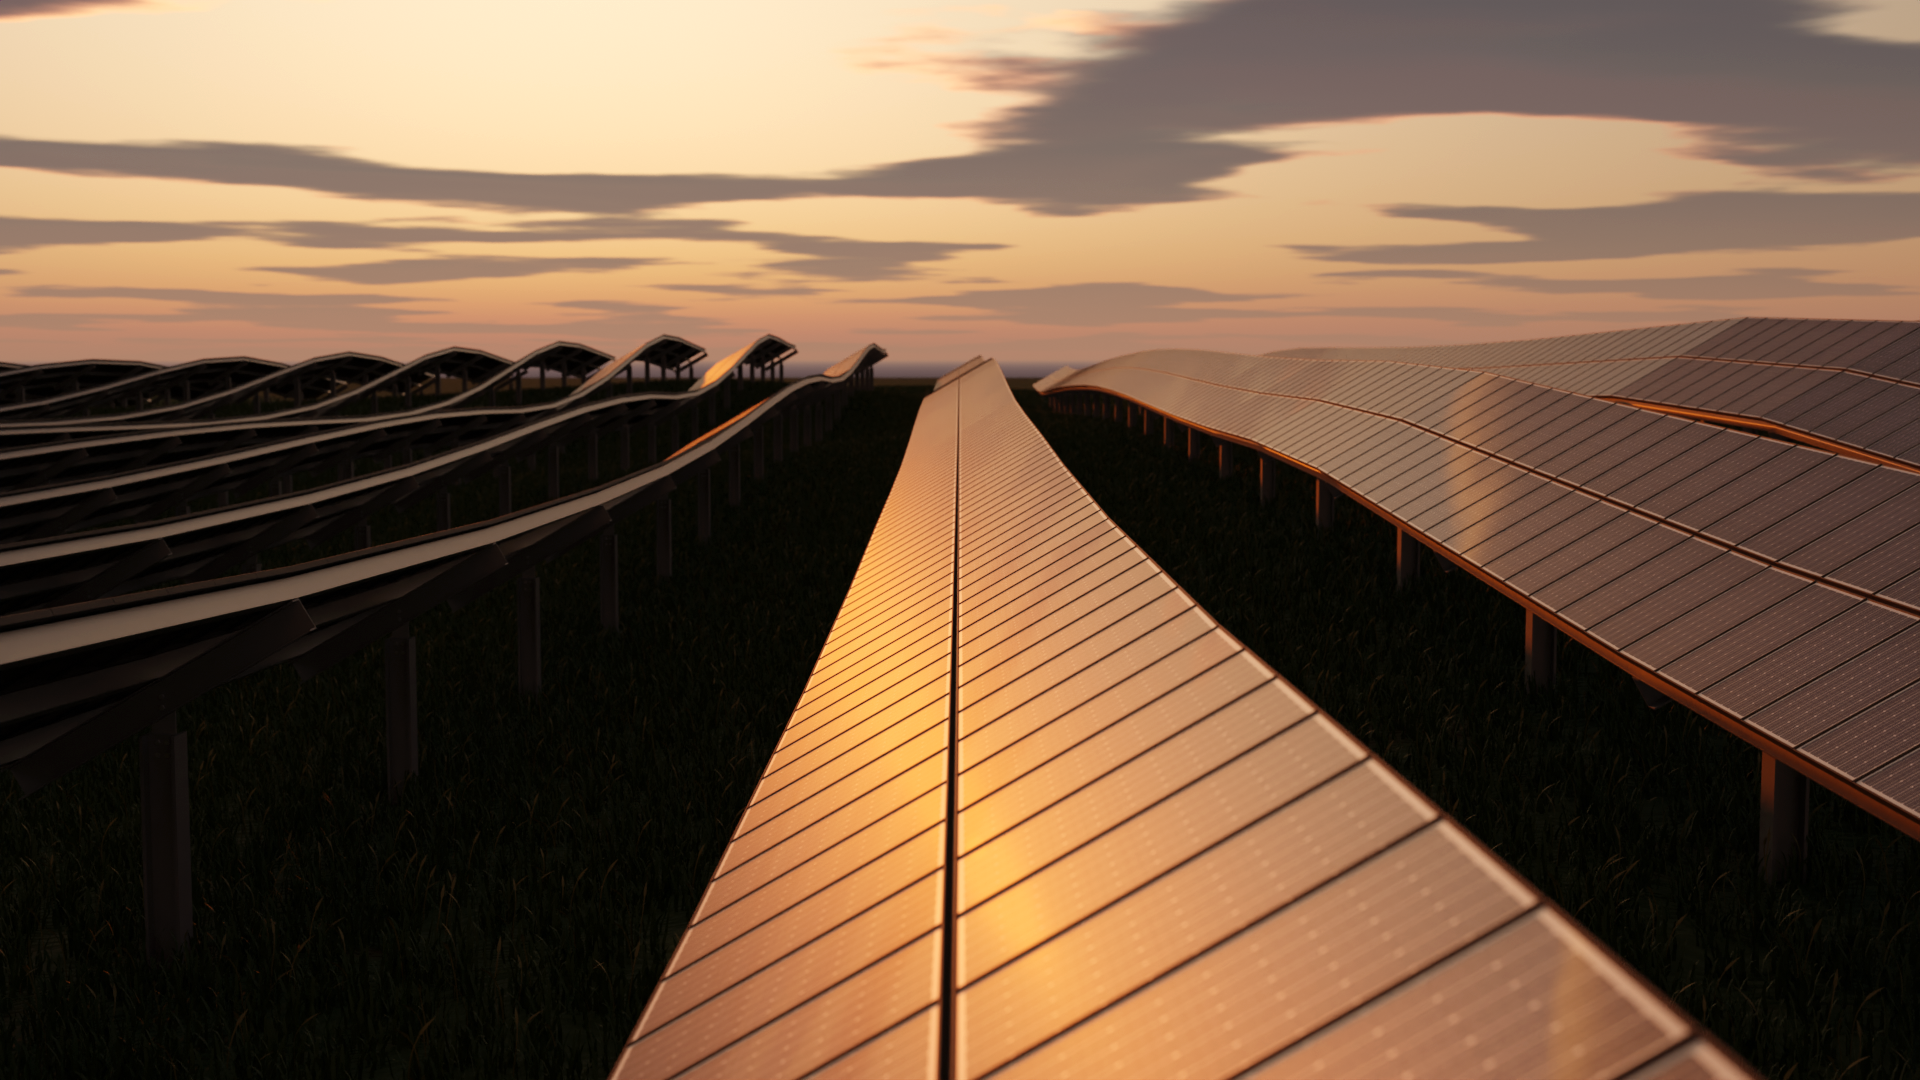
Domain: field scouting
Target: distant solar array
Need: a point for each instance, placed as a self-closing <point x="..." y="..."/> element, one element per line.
<point x="130" y="591"/>
<point x="1727" y="511"/>
<point x="1037" y="814"/>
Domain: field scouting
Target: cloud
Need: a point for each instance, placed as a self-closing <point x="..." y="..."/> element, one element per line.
<point x="20" y="9"/>
<point x="1760" y="283"/>
<point x="454" y="268"/>
<point x="1093" y="304"/>
<point x="21" y="234"/>
<point x="1148" y="119"/>
<point x="1471" y="316"/>
<point x="745" y="290"/>
<point x="1698" y="221"/>
<point x="337" y="314"/>
<point x="293" y="310"/>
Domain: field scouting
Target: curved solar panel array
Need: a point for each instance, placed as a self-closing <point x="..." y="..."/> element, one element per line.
<point x="103" y="634"/>
<point x="1770" y="585"/>
<point x="1037" y="814"/>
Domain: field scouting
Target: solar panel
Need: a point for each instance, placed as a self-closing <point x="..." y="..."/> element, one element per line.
<point x="1159" y="850"/>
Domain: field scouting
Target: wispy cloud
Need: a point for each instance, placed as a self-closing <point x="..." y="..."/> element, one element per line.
<point x="1699" y="221"/>
<point x="454" y="268"/>
<point x="20" y="9"/>
<point x="1759" y="283"/>
<point x="1144" y="121"/>
<point x="1094" y="304"/>
<point x="22" y="234"/>
<point x="1472" y="316"/>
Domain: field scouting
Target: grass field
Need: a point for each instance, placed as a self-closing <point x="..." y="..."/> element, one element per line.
<point x="1643" y="824"/>
<point x="510" y="913"/>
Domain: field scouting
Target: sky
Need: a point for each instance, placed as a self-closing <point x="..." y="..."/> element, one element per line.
<point x="1046" y="185"/>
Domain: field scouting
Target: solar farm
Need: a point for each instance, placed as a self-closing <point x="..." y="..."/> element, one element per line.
<point x="951" y="731"/>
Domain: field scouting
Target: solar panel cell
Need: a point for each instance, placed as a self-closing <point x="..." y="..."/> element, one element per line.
<point x="1797" y="612"/>
<point x="835" y="1021"/>
<point x="1881" y="731"/>
<point x="1031" y="766"/>
<point x="1664" y="465"/>
<point x="1803" y="648"/>
<point x="1743" y="462"/>
<point x="1278" y="979"/>
<point x="1713" y="580"/>
<point x="1834" y="510"/>
<point x="907" y="1050"/>
<point x="1887" y="563"/>
<point x="1899" y="781"/>
<point x="998" y="852"/>
<point x="1644" y="581"/>
<point x="1479" y="1013"/>
<point x="1624" y="557"/>
<point x="1768" y="494"/>
<point x="1160" y="838"/>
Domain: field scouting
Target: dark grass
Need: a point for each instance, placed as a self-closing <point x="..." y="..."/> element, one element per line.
<point x="1642" y="824"/>
<point x="510" y="913"/>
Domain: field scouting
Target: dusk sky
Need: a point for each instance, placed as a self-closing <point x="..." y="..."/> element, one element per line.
<point x="1047" y="185"/>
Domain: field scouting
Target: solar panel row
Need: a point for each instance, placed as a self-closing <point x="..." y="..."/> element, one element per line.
<point x="1772" y="586"/>
<point x="1037" y="814"/>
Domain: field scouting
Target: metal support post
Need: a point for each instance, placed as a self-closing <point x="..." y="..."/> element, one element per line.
<point x="1783" y="820"/>
<point x="733" y="472"/>
<point x="663" y="538"/>
<point x="1406" y="558"/>
<point x="403" y="711"/>
<point x="626" y="445"/>
<point x="1543" y="642"/>
<point x="165" y="844"/>
<point x="446" y="510"/>
<point x="1167" y="430"/>
<point x="593" y="457"/>
<point x="505" y="472"/>
<point x="781" y="421"/>
<point x="1226" y="459"/>
<point x="1323" y="496"/>
<point x="703" y="503"/>
<point x="609" y="580"/>
<point x="759" y="436"/>
<point x="1195" y="441"/>
<point x="553" y="472"/>
<point x="1269" y="479"/>
<point x="653" y="442"/>
<point x="527" y="592"/>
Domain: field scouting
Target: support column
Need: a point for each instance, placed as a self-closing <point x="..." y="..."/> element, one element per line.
<point x="1269" y="479"/>
<point x="1323" y="496"/>
<point x="553" y="472"/>
<point x="527" y="592"/>
<point x="1167" y="428"/>
<point x="609" y="581"/>
<point x="663" y="538"/>
<point x="1226" y="458"/>
<point x="1783" y="820"/>
<point x="759" y="436"/>
<point x="1543" y="643"/>
<point x="165" y="844"/>
<point x="505" y="472"/>
<point x="781" y="420"/>
<point x="593" y="457"/>
<point x="446" y="510"/>
<point x="1406" y="558"/>
<point x="703" y="503"/>
<point x="1195" y="443"/>
<point x="626" y="444"/>
<point x="403" y="711"/>
<point x="733" y="472"/>
<point x="653" y="442"/>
